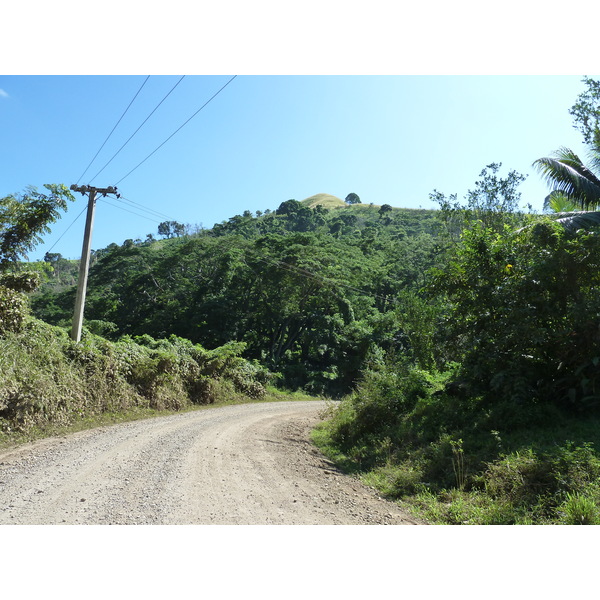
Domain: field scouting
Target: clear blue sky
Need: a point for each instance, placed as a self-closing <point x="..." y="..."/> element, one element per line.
<point x="266" y="139"/>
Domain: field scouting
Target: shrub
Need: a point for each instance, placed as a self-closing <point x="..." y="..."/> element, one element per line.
<point x="519" y="478"/>
<point x="47" y="378"/>
<point x="556" y="482"/>
<point x="525" y="315"/>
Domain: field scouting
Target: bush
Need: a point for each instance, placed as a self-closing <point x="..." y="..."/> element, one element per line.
<point x="383" y="417"/>
<point x="555" y="484"/>
<point x="520" y="478"/>
<point x="45" y="377"/>
<point x="525" y="316"/>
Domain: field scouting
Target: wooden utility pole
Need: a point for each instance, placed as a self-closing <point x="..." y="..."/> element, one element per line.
<point x="84" y="263"/>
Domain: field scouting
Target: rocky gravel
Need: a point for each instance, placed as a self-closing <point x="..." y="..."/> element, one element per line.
<point x="250" y="464"/>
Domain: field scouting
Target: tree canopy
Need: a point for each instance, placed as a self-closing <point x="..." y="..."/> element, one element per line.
<point x="25" y="217"/>
<point x="586" y="111"/>
<point x="306" y="289"/>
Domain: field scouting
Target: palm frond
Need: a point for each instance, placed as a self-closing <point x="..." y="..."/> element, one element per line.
<point x="567" y="174"/>
<point x="559" y="202"/>
<point x="594" y="160"/>
<point x="572" y="221"/>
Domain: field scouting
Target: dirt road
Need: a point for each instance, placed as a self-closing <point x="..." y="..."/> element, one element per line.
<point x="233" y="465"/>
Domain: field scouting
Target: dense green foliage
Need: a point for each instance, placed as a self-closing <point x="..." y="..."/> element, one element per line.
<point x="311" y="293"/>
<point x="504" y="427"/>
<point x="23" y="218"/>
<point x="525" y="314"/>
<point x="46" y="378"/>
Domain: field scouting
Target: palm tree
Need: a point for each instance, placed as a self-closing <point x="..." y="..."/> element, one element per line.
<point x="567" y="213"/>
<point x="566" y="173"/>
<point x="575" y="197"/>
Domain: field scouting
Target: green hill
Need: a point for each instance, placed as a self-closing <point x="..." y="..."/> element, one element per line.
<point x="291" y="285"/>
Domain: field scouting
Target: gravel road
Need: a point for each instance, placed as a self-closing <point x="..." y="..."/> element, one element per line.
<point x="250" y="464"/>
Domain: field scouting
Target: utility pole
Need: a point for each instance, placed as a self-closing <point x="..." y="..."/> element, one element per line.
<point x="84" y="264"/>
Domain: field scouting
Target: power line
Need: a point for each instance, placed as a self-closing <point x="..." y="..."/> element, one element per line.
<point x="110" y="204"/>
<point x="125" y="144"/>
<point x="67" y="229"/>
<point x="145" y="208"/>
<point x="130" y="211"/>
<point x="186" y="122"/>
<point x="113" y="129"/>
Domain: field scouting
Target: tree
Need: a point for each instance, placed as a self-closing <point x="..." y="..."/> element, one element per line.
<point x="557" y="202"/>
<point x="493" y="202"/>
<point x="171" y="229"/>
<point x="523" y="321"/>
<point x="566" y="173"/>
<point x="352" y="199"/>
<point x="586" y="111"/>
<point x="288" y="207"/>
<point x="386" y="208"/>
<point x="567" y="214"/>
<point x="24" y="218"/>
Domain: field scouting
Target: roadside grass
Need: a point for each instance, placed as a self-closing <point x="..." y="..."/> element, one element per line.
<point x="537" y="476"/>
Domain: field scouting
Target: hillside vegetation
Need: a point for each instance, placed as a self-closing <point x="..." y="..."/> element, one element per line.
<point x="47" y="380"/>
<point x="311" y="293"/>
<point x="465" y="365"/>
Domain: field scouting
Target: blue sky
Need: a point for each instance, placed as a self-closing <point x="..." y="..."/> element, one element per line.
<point x="265" y="139"/>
